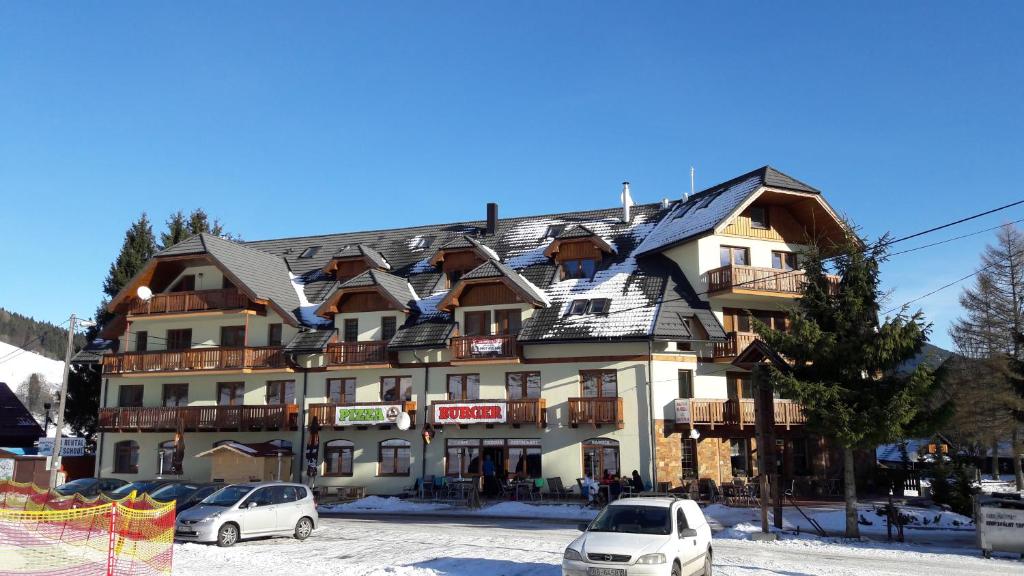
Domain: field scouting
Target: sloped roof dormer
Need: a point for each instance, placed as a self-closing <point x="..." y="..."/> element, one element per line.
<point x="357" y="253"/>
<point x="463" y="244"/>
<point x="579" y="235"/>
<point x="494" y="272"/>
<point x="395" y="291"/>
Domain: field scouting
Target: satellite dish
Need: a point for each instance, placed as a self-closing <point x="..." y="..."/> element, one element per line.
<point x="144" y="293"/>
<point x="404" y="422"/>
<point x="694" y="434"/>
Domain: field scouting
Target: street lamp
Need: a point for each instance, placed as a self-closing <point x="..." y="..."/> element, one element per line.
<point x="55" y="458"/>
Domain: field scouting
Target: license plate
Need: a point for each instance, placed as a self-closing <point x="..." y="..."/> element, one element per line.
<point x="185" y="532"/>
<point x="606" y="572"/>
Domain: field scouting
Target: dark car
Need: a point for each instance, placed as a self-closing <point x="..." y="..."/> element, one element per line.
<point x="185" y="494"/>
<point x="140" y="487"/>
<point x="89" y="487"/>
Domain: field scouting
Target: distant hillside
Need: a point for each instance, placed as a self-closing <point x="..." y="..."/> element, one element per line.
<point x="33" y="335"/>
<point x="930" y="355"/>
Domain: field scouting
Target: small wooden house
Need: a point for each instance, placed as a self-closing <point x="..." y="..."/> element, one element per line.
<point x="234" y="462"/>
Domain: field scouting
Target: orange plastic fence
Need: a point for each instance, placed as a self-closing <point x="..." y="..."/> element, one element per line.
<point x="44" y="533"/>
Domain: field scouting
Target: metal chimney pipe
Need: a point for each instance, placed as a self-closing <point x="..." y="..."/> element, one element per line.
<point x="627" y="201"/>
<point x="492" y="218"/>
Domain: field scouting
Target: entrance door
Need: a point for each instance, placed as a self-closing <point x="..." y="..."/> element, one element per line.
<point x="496" y="456"/>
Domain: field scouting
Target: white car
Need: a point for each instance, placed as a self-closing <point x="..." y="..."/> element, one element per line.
<point x="650" y="536"/>
<point x="247" y="510"/>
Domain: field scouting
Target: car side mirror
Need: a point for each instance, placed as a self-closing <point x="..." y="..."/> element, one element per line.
<point x="688" y="533"/>
<point x="251" y="505"/>
<point x="582" y="527"/>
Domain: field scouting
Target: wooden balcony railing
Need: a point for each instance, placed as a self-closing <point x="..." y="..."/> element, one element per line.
<point x="192" y="301"/>
<point x="484" y="347"/>
<point x="351" y="353"/>
<point x="194" y="359"/>
<point x="199" y="418"/>
<point x="716" y="412"/>
<point x="596" y="411"/>
<point x="529" y="411"/>
<point x="326" y="413"/>
<point x="735" y="342"/>
<point x="754" y="279"/>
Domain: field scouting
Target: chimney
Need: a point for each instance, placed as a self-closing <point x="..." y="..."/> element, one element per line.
<point x="627" y="201"/>
<point x="492" y="219"/>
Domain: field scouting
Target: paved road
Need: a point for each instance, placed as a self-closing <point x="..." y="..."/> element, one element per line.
<point x="478" y="547"/>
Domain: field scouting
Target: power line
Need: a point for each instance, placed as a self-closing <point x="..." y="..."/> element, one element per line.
<point x="961" y="237"/>
<point x="24" y="348"/>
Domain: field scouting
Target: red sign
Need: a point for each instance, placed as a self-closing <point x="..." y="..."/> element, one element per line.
<point x="475" y="413"/>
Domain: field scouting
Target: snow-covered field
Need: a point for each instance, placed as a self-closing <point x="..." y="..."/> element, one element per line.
<point x="423" y="546"/>
<point x="18" y="365"/>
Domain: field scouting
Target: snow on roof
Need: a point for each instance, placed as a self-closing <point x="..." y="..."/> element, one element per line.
<point x="306" y="310"/>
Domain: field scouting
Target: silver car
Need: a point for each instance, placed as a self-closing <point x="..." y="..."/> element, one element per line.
<point x="249" y="510"/>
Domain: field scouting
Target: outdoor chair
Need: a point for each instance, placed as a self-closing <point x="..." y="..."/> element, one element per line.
<point x="535" y="489"/>
<point x="556" y="489"/>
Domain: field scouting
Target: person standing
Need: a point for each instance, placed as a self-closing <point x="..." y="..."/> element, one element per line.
<point x="489" y="480"/>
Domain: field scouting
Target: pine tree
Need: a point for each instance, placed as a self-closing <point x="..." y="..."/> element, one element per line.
<point x="844" y="360"/>
<point x="138" y="247"/>
<point x="198" y="222"/>
<point x="177" y="230"/>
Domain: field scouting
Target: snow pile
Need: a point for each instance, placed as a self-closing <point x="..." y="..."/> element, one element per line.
<point x="390" y="505"/>
<point x="16" y="365"/>
<point x="1006" y="484"/>
<point x="548" y="511"/>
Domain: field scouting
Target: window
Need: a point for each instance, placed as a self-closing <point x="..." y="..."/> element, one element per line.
<point x="309" y="252"/>
<point x="509" y="321"/>
<point x="801" y="457"/>
<point x="351" y="330"/>
<point x="186" y="283"/>
<point x="129" y="396"/>
<point x="141" y="341"/>
<point x="395" y="458"/>
<point x="739" y="451"/>
<point x="599" y="383"/>
<point x="579" y="268"/>
<point x="463" y="386"/>
<point x="453" y="276"/>
<point x="260" y="497"/>
<point x="420" y="242"/>
<point x="783" y="260"/>
<point x="232" y="336"/>
<point x="179" y="339"/>
<point x="338" y="458"/>
<point x="600" y="305"/>
<point x="274" y="334"/>
<point x="689" y="457"/>
<point x="230" y="393"/>
<point x="524" y="461"/>
<point x="126" y="457"/>
<point x="522" y="385"/>
<point x="680" y="521"/>
<point x="175" y="395"/>
<point x="280" y="392"/>
<point x="341" y="390"/>
<point x="734" y="256"/>
<point x="463" y="457"/>
<point x="600" y="455"/>
<point x="758" y="217"/>
<point x="396" y="388"/>
<point x="478" y="323"/>
<point x="226" y="283"/>
<point x="686" y="384"/>
<point x="738" y="386"/>
<point x="165" y="458"/>
<point x="388" y="326"/>
<point x="578" y="307"/>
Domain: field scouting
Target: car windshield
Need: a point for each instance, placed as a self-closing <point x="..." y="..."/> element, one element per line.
<point x="141" y="486"/>
<point x="227" y="496"/>
<point x="633" y="520"/>
<point x="172" y="492"/>
<point x="75" y="485"/>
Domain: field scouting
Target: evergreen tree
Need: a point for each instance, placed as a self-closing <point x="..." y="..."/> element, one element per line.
<point x="198" y="222"/>
<point x="83" y="403"/>
<point x="177" y="230"/>
<point x="138" y="247"/>
<point x="34" y="392"/>
<point x="844" y="361"/>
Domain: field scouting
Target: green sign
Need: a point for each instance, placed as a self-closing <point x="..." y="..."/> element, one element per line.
<point x="364" y="415"/>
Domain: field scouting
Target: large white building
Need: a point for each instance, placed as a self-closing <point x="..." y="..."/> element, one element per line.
<point x="550" y="345"/>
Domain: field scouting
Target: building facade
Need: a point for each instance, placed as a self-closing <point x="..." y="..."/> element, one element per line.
<point x="550" y="346"/>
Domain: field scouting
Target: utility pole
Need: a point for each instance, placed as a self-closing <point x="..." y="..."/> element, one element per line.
<point x="55" y="458"/>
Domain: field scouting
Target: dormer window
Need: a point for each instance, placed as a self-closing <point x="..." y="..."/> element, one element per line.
<point x="579" y="268"/>
<point x="758" y="217"/>
<point x="594" y="306"/>
<point x="420" y="243"/>
<point x="600" y="305"/>
<point x="453" y="276"/>
<point x="309" y="252"/>
<point x="578" y="307"/>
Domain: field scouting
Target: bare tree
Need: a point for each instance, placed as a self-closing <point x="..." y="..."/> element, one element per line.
<point x="34" y="392"/>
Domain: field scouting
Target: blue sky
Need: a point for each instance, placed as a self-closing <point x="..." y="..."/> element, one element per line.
<point x="295" y="119"/>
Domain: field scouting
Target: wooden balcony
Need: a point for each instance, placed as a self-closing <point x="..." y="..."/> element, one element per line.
<point x="596" y="411"/>
<point x="196" y="359"/>
<point x="720" y="412"/>
<point x="735" y="342"/>
<point x="528" y="411"/>
<point x="199" y="418"/>
<point x="472" y="348"/>
<point x="326" y="413"/>
<point x="357" y="353"/>
<point x="759" y="281"/>
<point x="191" y="301"/>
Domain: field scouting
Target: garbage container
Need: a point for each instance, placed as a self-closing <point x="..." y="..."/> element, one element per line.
<point x="999" y="519"/>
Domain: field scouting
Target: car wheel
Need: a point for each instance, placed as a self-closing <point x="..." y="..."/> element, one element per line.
<point x="707" y="563"/>
<point x="303" y="528"/>
<point x="227" y="535"/>
<point x="676" y="570"/>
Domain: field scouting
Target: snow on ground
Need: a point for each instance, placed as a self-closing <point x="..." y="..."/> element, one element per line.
<point x="1005" y="484"/>
<point x="379" y="505"/>
<point x="424" y="546"/>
